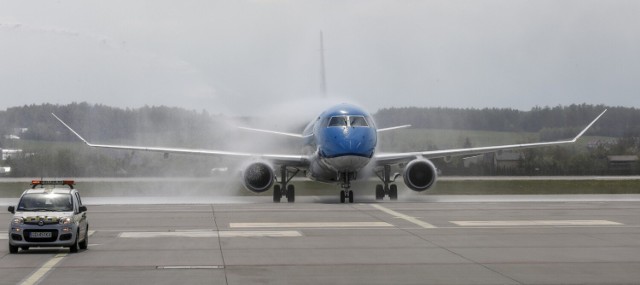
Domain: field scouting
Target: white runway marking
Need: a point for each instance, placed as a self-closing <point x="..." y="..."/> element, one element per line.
<point x="43" y="270"/>
<point x="404" y="217"/>
<point x="535" y="223"/>
<point x="209" y="234"/>
<point x="192" y="267"/>
<point x="312" y="225"/>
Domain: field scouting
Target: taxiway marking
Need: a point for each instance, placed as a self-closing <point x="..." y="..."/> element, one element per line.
<point x="209" y="234"/>
<point x="535" y="223"/>
<point x="312" y="225"/>
<point x="404" y="217"/>
<point x="43" y="270"/>
<point x="192" y="267"/>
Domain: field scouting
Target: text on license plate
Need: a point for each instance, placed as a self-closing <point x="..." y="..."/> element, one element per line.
<point x="40" y="235"/>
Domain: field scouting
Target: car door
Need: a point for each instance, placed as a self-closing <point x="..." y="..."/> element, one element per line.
<point x="82" y="216"/>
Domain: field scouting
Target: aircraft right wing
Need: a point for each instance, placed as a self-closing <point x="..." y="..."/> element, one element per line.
<point x="280" y="159"/>
<point x="392" y="158"/>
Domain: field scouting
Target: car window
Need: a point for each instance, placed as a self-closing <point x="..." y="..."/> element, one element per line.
<point x="79" y="200"/>
<point x="46" y="202"/>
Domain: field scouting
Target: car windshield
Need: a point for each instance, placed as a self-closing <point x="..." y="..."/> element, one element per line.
<point x="46" y="202"/>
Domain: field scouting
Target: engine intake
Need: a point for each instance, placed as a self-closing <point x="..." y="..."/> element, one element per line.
<point x="420" y="174"/>
<point x="258" y="177"/>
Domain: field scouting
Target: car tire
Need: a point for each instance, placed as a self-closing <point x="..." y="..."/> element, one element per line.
<point x="74" y="247"/>
<point x="85" y="243"/>
<point x="13" y="249"/>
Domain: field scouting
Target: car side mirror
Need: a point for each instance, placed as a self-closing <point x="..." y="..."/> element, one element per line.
<point x="12" y="209"/>
<point x="83" y="209"/>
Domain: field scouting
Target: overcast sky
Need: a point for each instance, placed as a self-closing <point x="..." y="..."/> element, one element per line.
<point x="240" y="56"/>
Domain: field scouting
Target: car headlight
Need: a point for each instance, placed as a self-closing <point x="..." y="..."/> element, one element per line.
<point x="17" y="221"/>
<point x="65" y="221"/>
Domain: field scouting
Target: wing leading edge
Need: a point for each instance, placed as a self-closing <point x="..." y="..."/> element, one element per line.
<point x="281" y="159"/>
<point x="392" y="158"/>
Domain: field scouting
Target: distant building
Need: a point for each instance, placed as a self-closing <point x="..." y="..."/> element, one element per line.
<point x="496" y="161"/>
<point x="508" y="160"/>
<point x="20" y="130"/>
<point x="5" y="170"/>
<point x="8" y="153"/>
<point x="622" y="164"/>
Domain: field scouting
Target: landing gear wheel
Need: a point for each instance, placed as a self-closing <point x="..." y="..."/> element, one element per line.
<point x="13" y="249"/>
<point x="379" y="192"/>
<point x="393" y="192"/>
<point x="277" y="194"/>
<point x="350" y="196"/>
<point x="291" y="194"/>
<point x="342" y="196"/>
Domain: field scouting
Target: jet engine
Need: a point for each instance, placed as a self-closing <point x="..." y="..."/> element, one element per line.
<point x="420" y="174"/>
<point x="258" y="177"/>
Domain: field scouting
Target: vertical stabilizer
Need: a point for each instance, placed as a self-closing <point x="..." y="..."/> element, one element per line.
<point x="323" y="78"/>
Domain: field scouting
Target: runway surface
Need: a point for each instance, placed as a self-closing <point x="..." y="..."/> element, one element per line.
<point x="499" y="240"/>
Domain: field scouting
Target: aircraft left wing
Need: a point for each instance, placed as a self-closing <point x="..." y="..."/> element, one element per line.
<point x="392" y="158"/>
<point x="280" y="159"/>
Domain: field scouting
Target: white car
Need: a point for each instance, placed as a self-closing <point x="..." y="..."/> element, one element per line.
<point x="47" y="216"/>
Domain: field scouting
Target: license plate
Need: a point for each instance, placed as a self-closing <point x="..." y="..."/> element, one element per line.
<point x="40" y="235"/>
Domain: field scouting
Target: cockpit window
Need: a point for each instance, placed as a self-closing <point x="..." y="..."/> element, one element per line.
<point x="340" y="121"/>
<point x="358" y="121"/>
<point x="351" y="121"/>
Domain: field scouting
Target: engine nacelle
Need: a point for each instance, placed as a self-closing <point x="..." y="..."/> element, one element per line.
<point x="258" y="177"/>
<point x="420" y="174"/>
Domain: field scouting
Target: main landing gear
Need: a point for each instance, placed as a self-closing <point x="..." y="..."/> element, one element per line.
<point x="387" y="189"/>
<point x="283" y="188"/>
<point x="346" y="184"/>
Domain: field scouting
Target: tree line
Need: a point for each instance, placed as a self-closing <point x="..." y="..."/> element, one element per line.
<point x="554" y="121"/>
<point x="49" y="149"/>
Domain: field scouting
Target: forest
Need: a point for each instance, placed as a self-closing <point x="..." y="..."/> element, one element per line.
<point x="48" y="149"/>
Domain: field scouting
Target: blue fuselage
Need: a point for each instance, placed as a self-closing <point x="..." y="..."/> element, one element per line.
<point x="342" y="140"/>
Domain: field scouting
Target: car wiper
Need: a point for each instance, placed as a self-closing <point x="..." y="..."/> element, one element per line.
<point x="42" y="210"/>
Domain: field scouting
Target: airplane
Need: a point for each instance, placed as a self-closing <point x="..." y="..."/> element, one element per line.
<point x="337" y="146"/>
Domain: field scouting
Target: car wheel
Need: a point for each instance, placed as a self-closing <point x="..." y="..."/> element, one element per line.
<point x="85" y="243"/>
<point x="74" y="247"/>
<point x="13" y="249"/>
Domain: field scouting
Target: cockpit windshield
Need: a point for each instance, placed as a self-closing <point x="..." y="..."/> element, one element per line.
<point x="340" y="121"/>
<point x="348" y="121"/>
<point x="358" y="121"/>
<point x="46" y="202"/>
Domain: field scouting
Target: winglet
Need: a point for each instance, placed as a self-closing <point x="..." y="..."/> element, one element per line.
<point x="74" y="132"/>
<point x="589" y="126"/>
